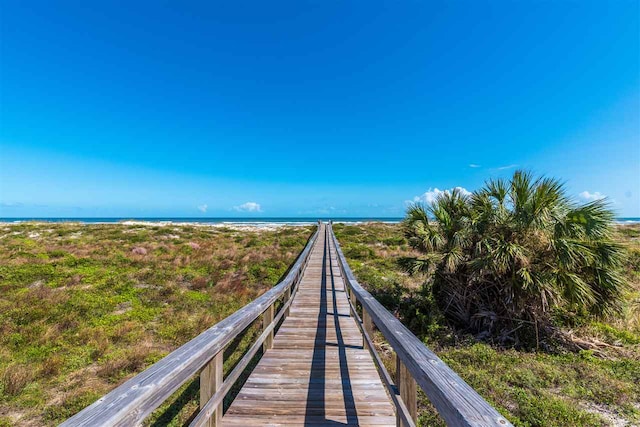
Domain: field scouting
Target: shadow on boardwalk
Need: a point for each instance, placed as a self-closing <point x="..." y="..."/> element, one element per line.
<point x="316" y="391"/>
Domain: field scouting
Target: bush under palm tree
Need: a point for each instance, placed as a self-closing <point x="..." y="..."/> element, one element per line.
<point x="508" y="256"/>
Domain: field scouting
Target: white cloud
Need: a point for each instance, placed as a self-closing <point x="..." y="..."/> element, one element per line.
<point x="203" y="208"/>
<point x="432" y="194"/>
<point x="506" y="167"/>
<point x="248" y="207"/>
<point x="331" y="210"/>
<point x="592" y="196"/>
<point x="473" y="165"/>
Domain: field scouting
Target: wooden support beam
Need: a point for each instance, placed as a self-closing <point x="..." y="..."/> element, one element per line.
<point x="408" y="391"/>
<point x="352" y="297"/>
<point x="287" y="297"/>
<point x="267" y="319"/>
<point x="367" y="323"/>
<point x="211" y="379"/>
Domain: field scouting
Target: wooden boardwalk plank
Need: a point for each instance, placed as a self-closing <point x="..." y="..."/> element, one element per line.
<point x="317" y="373"/>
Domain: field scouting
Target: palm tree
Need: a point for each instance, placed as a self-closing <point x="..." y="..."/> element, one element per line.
<point x="505" y="257"/>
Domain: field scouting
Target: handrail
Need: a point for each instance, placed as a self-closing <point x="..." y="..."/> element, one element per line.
<point x="208" y="409"/>
<point x="456" y="402"/>
<point x="134" y="400"/>
<point x="403" y="414"/>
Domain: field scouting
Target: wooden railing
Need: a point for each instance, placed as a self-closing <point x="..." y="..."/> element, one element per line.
<point x="456" y="402"/>
<point x="130" y="403"/>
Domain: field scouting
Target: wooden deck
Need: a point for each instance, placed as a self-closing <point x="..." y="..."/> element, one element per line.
<point x="317" y="373"/>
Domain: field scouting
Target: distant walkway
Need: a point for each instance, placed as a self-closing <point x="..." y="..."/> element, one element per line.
<point x="318" y="372"/>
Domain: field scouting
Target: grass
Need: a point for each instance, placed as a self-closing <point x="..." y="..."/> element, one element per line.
<point x="85" y="307"/>
<point x="598" y="386"/>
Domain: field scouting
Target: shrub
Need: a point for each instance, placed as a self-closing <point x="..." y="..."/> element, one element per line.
<point x="508" y="255"/>
<point x="51" y="366"/>
<point x="131" y="361"/>
<point x="193" y="245"/>
<point x="139" y="251"/>
<point x="358" y="251"/>
<point x="15" y="379"/>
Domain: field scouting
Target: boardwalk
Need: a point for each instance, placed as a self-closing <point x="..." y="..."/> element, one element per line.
<point x="317" y="373"/>
<point x="320" y="368"/>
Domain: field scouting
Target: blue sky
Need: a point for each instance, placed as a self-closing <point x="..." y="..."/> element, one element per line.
<point x="311" y="108"/>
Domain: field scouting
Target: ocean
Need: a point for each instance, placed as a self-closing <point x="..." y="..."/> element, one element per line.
<point x="629" y="220"/>
<point x="239" y="221"/>
<point x="202" y="220"/>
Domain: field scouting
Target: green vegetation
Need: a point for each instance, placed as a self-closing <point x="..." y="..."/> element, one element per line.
<point x="502" y="260"/>
<point x="85" y="307"/>
<point x="594" y="382"/>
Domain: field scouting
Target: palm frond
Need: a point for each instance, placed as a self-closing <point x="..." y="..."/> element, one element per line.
<point x="593" y="220"/>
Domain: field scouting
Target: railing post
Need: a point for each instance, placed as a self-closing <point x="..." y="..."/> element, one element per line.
<point x="287" y="297"/>
<point x="267" y="319"/>
<point x="367" y="323"/>
<point x="352" y="295"/>
<point x="368" y="327"/>
<point x="210" y="381"/>
<point x="408" y="391"/>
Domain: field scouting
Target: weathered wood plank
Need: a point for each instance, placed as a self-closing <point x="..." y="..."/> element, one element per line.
<point x="304" y="420"/>
<point x="367" y="323"/>
<point x="267" y="320"/>
<point x="408" y="392"/>
<point x="210" y="381"/>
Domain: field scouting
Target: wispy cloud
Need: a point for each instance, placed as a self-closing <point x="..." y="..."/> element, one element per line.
<point x="431" y="195"/>
<point x="333" y="211"/>
<point x="248" y="207"/>
<point x="500" y="168"/>
<point x="11" y="205"/>
<point x="203" y="208"/>
<point x="473" y="165"/>
<point x="592" y="196"/>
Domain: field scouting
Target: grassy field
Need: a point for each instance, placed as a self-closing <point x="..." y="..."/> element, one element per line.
<point x="596" y="386"/>
<point x="84" y="307"/>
